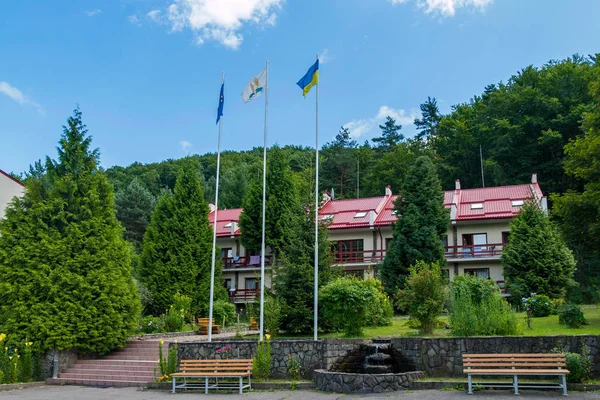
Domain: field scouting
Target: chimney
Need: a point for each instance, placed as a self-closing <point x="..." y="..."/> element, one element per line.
<point x="457" y="184"/>
<point x="388" y="190"/>
<point x="326" y="196"/>
<point x="233" y="228"/>
<point x="534" y="178"/>
<point x="212" y="207"/>
<point x="372" y="218"/>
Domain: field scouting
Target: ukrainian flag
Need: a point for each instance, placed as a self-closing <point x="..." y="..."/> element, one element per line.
<point x="310" y="79"/>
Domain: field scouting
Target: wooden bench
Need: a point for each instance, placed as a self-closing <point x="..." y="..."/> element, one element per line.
<point x="203" y="326"/>
<point x="253" y="324"/>
<point x="515" y="365"/>
<point x="213" y="369"/>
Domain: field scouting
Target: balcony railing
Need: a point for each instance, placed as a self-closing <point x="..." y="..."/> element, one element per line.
<point x="244" y="262"/>
<point x="242" y="295"/>
<point x="474" y="251"/>
<point x="362" y="256"/>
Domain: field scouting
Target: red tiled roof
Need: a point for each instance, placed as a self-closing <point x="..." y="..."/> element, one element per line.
<point x="11" y="178"/>
<point x="225" y="217"/>
<point x="344" y="212"/>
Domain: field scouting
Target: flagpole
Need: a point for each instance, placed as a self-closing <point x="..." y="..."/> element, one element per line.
<point x="214" y="244"/>
<point x="316" y="289"/>
<point x="264" y="197"/>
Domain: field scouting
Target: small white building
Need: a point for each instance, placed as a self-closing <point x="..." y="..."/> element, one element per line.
<point x="9" y="188"/>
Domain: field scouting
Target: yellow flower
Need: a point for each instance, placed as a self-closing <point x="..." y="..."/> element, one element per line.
<point x="2" y="336"/>
<point x="28" y="343"/>
<point x="6" y="348"/>
<point x="162" y="342"/>
<point x="268" y="336"/>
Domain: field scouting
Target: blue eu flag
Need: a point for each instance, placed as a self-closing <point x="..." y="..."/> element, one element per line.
<point x="221" y="98"/>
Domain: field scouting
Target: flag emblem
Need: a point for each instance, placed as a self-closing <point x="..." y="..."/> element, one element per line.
<point x="255" y="87"/>
<point x="310" y="79"/>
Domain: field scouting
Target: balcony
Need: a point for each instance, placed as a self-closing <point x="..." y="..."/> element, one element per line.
<point x="474" y="252"/>
<point x="362" y="257"/>
<point x="246" y="262"/>
<point x="244" y="295"/>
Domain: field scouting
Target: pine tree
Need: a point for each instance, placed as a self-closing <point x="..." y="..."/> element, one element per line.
<point x="65" y="269"/>
<point x="536" y="260"/>
<point x="177" y="248"/>
<point x="421" y="225"/>
<point x="282" y="209"/>
<point x="339" y="165"/>
<point x="390" y="135"/>
<point x="430" y="119"/>
<point x="134" y="206"/>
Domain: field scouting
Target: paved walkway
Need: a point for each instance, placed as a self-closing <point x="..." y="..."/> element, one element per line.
<point x="89" y="393"/>
<point x="200" y="338"/>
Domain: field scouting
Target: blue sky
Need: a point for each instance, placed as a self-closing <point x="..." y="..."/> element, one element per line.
<point x="146" y="73"/>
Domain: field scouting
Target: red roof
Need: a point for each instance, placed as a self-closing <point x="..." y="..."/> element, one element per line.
<point x="226" y="217"/>
<point x="11" y="178"/>
<point x="471" y="204"/>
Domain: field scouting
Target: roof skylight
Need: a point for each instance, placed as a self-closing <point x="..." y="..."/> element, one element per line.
<point x="228" y="225"/>
<point x="477" y="206"/>
<point x="327" y="217"/>
<point x="360" y="214"/>
<point x="517" y="203"/>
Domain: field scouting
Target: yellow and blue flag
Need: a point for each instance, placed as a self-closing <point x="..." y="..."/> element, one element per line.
<point x="310" y="79"/>
<point x="220" y="109"/>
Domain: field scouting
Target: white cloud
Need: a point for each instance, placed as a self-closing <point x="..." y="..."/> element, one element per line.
<point x="446" y="8"/>
<point x="135" y="20"/>
<point x="220" y="20"/>
<point x="361" y="127"/>
<point x="155" y="16"/>
<point x="91" y="13"/>
<point x="185" y="146"/>
<point x="19" y="97"/>
<point x="325" y="57"/>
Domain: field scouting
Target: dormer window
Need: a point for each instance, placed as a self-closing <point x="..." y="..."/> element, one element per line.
<point x="228" y="225"/>
<point x="477" y="206"/>
<point x="360" y="214"/>
<point x="327" y="217"/>
<point x="517" y="203"/>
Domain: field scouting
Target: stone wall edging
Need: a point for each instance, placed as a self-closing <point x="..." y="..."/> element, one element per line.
<point x="343" y="382"/>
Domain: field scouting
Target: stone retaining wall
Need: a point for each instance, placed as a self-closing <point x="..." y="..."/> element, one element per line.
<point x="443" y="356"/>
<point x="341" y="382"/>
<point x="310" y="354"/>
<point x="65" y="360"/>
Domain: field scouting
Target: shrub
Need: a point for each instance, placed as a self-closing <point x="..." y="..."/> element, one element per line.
<point x="556" y="303"/>
<point x="272" y="314"/>
<point x="261" y="367"/>
<point x="223" y="312"/>
<point x="173" y="320"/>
<point x="27" y="363"/>
<point x="571" y="316"/>
<point x="379" y="312"/>
<point x="539" y="304"/>
<point x="424" y="295"/>
<point x="168" y="366"/>
<point x="183" y="303"/>
<point x="478" y="308"/>
<point x="150" y="324"/>
<point x="579" y="365"/>
<point x="345" y="302"/>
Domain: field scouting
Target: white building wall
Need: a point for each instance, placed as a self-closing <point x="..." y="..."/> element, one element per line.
<point x="8" y="190"/>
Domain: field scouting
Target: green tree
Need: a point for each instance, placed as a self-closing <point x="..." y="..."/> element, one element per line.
<point x="424" y="295"/>
<point x="177" y="248"/>
<point x="430" y="118"/>
<point x="65" y="269"/>
<point x="339" y="165"/>
<point x="536" y="260"/>
<point x="390" y="135"/>
<point x="421" y="225"/>
<point x="134" y="206"/>
<point x="282" y="208"/>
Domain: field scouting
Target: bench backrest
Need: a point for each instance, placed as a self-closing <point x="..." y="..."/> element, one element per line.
<point x="520" y="361"/>
<point x="215" y="366"/>
<point x="204" y="321"/>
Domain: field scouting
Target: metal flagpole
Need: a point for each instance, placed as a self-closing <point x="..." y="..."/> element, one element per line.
<point x="214" y="246"/>
<point x="316" y="311"/>
<point x="264" y="198"/>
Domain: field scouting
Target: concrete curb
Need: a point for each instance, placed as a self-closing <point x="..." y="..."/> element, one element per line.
<point x="438" y="385"/>
<point x="19" y="386"/>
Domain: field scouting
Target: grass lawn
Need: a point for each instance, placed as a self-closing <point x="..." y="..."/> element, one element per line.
<point x="539" y="327"/>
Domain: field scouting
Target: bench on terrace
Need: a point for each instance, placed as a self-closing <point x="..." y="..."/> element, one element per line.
<point x="203" y="326"/>
<point x="217" y="374"/>
<point x="516" y="365"/>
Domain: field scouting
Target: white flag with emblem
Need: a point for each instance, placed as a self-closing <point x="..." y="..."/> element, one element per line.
<point x="255" y="87"/>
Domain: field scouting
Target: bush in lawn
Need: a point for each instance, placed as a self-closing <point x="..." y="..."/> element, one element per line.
<point x="150" y="324"/>
<point x="539" y="304"/>
<point x="424" y="295"/>
<point x="261" y="367"/>
<point x="571" y="316"/>
<point x="380" y="312"/>
<point x="478" y="308"/>
<point x="345" y="302"/>
<point x="223" y="313"/>
<point x="272" y="314"/>
<point x="173" y="320"/>
<point x="556" y="304"/>
<point x="579" y="365"/>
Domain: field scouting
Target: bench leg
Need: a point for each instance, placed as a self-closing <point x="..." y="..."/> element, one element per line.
<point x="241" y="382"/>
<point x="564" y="385"/>
<point x="470" y="384"/>
<point x="205" y="385"/>
<point x="516" y="384"/>
<point x="173" y="384"/>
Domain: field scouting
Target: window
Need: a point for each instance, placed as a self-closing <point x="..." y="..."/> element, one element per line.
<point x="388" y="243"/>
<point x="228" y="225"/>
<point x="327" y="217"/>
<point x="349" y="250"/>
<point x="250" y="284"/>
<point x="360" y="214"/>
<point x="474" y="244"/>
<point x="505" y="237"/>
<point x="357" y="273"/>
<point x="445" y="241"/>
<point x="227" y="284"/>
<point x="517" y="203"/>
<point x="478" y="272"/>
<point x="446" y="274"/>
<point x="477" y="206"/>
<point x="226" y="252"/>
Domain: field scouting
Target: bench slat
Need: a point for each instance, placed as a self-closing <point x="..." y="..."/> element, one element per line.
<point x="549" y="365"/>
<point x="516" y="371"/>
<point x="211" y="374"/>
<point x="551" y="355"/>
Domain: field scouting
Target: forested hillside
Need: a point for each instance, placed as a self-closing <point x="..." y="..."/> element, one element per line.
<point x="521" y="125"/>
